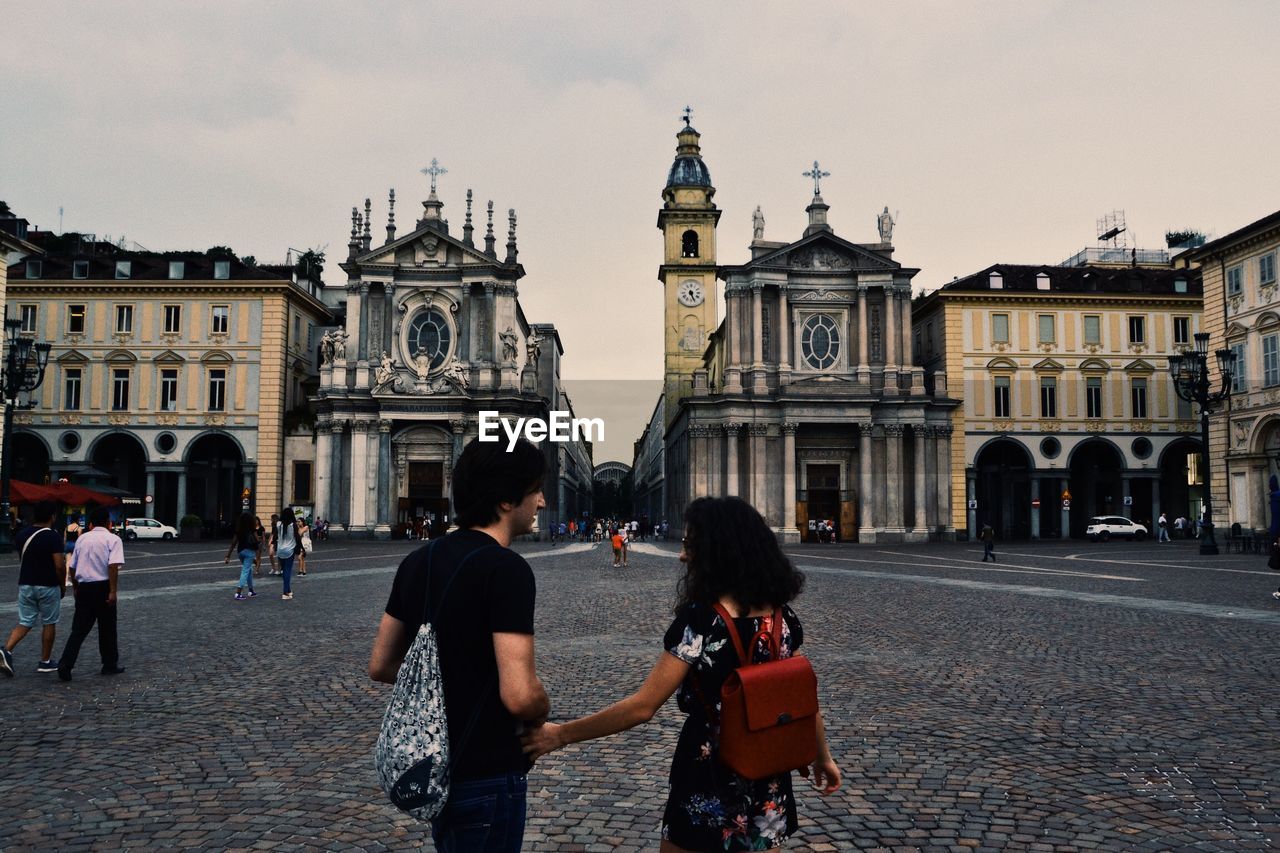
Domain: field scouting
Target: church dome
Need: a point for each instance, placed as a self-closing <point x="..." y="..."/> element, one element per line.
<point x="688" y="170"/>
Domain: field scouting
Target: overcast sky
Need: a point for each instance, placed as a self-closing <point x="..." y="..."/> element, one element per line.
<point x="998" y="131"/>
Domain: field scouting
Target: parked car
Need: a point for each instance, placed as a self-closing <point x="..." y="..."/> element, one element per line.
<point x="1106" y="526"/>
<point x="147" y="528"/>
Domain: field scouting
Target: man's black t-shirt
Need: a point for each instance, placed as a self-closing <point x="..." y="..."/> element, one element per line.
<point x="492" y="593"/>
<point x="37" y="561"/>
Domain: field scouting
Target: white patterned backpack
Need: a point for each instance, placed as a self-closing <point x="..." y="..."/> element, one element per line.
<point x="412" y="753"/>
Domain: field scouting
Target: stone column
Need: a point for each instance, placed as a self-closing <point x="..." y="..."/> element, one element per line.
<point x="150" y="508"/>
<point x="458" y="427"/>
<point x="904" y="308"/>
<point x="893" y="477"/>
<point x="182" y="496"/>
<point x="362" y="347"/>
<point x="698" y="437"/>
<point x="1155" y="510"/>
<point x="1125" y="491"/>
<point x="757" y="327"/>
<point x="1035" y="511"/>
<point x="971" y="494"/>
<point x="246" y="482"/>
<point x="789" y="532"/>
<point x="384" y="513"/>
<point x="890" y="342"/>
<point x="758" y="469"/>
<point x="731" y="458"/>
<point x="354" y="332"/>
<point x="864" y="337"/>
<point x="918" y="433"/>
<point x="388" y="323"/>
<point x="942" y="480"/>
<point x="784" y="336"/>
<point x="866" y="489"/>
<point x="733" y="316"/>
<point x="337" y="511"/>
<point x="359" y="474"/>
<point x="323" y="473"/>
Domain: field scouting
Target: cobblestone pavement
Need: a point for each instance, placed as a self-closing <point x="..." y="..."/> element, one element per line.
<point x="1071" y="696"/>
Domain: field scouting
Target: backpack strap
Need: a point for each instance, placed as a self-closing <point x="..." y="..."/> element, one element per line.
<point x="772" y="635"/>
<point x="743" y="658"/>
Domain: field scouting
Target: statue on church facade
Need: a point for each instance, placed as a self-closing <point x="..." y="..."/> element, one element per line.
<point x="326" y="349"/>
<point x="509" y="348"/>
<point x="385" y="371"/>
<point x="757" y="224"/>
<point x="533" y="347"/>
<point x="885" y="223"/>
<point x="339" y="344"/>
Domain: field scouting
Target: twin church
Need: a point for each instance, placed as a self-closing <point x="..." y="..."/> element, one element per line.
<point x="804" y="400"/>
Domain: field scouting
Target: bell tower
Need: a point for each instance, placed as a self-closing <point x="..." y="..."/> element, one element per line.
<point x="688" y="221"/>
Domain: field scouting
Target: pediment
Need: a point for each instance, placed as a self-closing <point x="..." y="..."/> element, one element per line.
<point x="1236" y="329"/>
<point x="1002" y="364"/>
<point x="1140" y="366"/>
<point x="1049" y="364"/>
<point x="1094" y="364"/>
<point x="428" y="245"/>
<point x="169" y="356"/>
<point x="1265" y="319"/>
<point x="825" y="252"/>
<point x="72" y="357"/>
<point x="216" y="356"/>
<point x="120" y="355"/>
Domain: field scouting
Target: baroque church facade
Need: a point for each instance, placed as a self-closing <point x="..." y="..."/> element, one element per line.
<point x="806" y="400"/>
<point x="434" y="335"/>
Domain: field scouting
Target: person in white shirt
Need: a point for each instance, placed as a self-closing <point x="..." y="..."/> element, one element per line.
<point x="95" y="571"/>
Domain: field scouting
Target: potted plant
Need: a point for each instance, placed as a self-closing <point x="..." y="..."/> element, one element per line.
<point x="192" y="527"/>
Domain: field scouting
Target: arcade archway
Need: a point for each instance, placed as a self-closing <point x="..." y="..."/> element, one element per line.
<point x="30" y="458"/>
<point x="124" y="460"/>
<point x="215" y="478"/>
<point x="1003" y="471"/>
<point x="1096" y="487"/>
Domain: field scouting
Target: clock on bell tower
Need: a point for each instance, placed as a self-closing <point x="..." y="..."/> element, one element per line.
<point x="688" y="221"/>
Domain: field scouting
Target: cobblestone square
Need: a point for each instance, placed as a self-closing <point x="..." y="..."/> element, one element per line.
<point x="1071" y="696"/>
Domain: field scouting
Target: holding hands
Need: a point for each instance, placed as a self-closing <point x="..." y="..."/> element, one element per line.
<point x="537" y="742"/>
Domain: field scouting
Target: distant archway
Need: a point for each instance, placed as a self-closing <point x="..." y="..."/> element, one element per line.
<point x="124" y="460"/>
<point x="1003" y="468"/>
<point x="215" y="478"/>
<point x="30" y="458"/>
<point x="1096" y="489"/>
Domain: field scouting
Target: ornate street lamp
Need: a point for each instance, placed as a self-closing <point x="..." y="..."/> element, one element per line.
<point x="1191" y="382"/>
<point x="23" y="372"/>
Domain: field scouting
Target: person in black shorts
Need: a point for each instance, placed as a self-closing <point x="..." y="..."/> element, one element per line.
<point x="482" y="597"/>
<point x="733" y="559"/>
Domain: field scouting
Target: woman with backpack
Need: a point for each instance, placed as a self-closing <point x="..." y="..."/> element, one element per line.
<point x="736" y="579"/>
<point x="286" y="541"/>
<point x="245" y="545"/>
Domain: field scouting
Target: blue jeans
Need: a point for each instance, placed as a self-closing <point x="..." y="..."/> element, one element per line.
<point x="246" y="567"/>
<point x="286" y="569"/>
<point x="482" y="816"/>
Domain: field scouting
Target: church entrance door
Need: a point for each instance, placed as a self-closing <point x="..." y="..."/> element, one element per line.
<point x="426" y="500"/>
<point x="824" y="495"/>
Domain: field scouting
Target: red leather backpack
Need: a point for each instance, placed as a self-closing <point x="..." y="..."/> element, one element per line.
<point x="768" y="711"/>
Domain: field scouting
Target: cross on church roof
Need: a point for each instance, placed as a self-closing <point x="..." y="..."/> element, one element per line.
<point x="817" y="175"/>
<point x="435" y="170"/>
<point x="688" y="115"/>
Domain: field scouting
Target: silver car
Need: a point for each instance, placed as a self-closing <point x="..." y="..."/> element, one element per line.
<point x="1103" y="527"/>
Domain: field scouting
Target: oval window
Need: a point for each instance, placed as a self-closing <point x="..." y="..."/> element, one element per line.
<point x="1050" y="448"/>
<point x="69" y="442"/>
<point x="429" y="333"/>
<point x="820" y="341"/>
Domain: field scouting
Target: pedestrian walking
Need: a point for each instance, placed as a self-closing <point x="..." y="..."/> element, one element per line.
<point x="95" y="572"/>
<point x="261" y="533"/>
<point x="271" y="545"/>
<point x="304" y="541"/>
<point x="616" y="541"/>
<point x="1163" y="524"/>
<point x="478" y="596"/>
<point x="42" y="574"/>
<point x="988" y="537"/>
<point x="286" y="539"/>
<point x="736" y="580"/>
<point x="244" y="544"/>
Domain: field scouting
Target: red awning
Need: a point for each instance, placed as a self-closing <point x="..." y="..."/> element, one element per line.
<point x="68" y="494"/>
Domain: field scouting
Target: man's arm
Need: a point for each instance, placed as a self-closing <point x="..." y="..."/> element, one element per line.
<point x="60" y="567"/>
<point x="113" y="576"/>
<point x="518" y="686"/>
<point x="389" y="649"/>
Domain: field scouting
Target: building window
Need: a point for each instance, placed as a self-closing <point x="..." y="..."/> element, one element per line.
<point x="34" y="268"/>
<point x="1235" y="281"/>
<point x="220" y="319"/>
<point x="28" y="314"/>
<point x="820" y="342"/>
<point x="217" y="389"/>
<point x="75" y="319"/>
<point x="124" y="269"/>
<point x="120" y="390"/>
<point x="689" y="244"/>
<point x="71" y="378"/>
<point x="1182" y="330"/>
<point x="1238" y="382"/>
<point x="1002" y="396"/>
<point x="995" y="281"/>
<point x="1137" y="330"/>
<point x="1267" y="269"/>
<point x="429" y="334"/>
<point x="1093" y="397"/>
<point x="172" y="319"/>
<point x="1000" y="328"/>
<point x="1182" y="408"/>
<point x="79" y="269"/>
<point x="302" y="482"/>
<point x="1048" y="397"/>
<point x="1047" y="335"/>
<point x="297" y="330"/>
<point x="124" y="319"/>
<point x="222" y="269"/>
<point x="1042" y="281"/>
<point x="1179" y="285"/>
<point x="1092" y="329"/>
<point x="169" y="389"/>
<point x="176" y="269"/>
<point x="1138" y="396"/>
<point x="928" y="339"/>
<point x="1270" y="361"/>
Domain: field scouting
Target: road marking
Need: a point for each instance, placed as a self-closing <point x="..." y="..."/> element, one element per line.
<point x="977" y="566"/>
<point x="1084" y="558"/>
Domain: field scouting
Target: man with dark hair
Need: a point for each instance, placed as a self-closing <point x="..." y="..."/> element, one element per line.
<point x="478" y="594"/>
<point x="41" y="580"/>
<point x="95" y="571"/>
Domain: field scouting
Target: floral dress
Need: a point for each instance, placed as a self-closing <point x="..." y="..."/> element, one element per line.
<point x="710" y="806"/>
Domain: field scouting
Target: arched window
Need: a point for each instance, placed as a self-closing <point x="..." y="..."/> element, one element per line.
<point x="689" y="244"/>
<point x="430" y="333"/>
<point x="820" y="341"/>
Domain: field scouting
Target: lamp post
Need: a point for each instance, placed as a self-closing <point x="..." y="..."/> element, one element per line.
<point x="22" y="373"/>
<point x="1191" y="382"/>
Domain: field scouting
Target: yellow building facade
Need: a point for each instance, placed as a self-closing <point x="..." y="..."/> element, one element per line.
<point x="1069" y="410"/>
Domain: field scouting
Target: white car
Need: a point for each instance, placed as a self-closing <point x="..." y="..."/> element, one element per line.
<point x="147" y="528"/>
<point x="1104" y="527"/>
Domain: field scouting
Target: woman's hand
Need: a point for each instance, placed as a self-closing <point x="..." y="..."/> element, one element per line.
<point x="537" y="742"/>
<point x="825" y="775"/>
